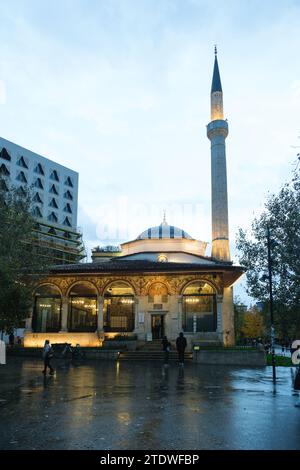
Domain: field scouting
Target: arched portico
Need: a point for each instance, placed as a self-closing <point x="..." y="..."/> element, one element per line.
<point x="47" y="304"/>
<point x="119" y="307"/>
<point x="82" y="307"/>
<point x="199" y="307"/>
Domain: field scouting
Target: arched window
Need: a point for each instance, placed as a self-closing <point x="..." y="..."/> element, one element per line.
<point x="158" y="293"/>
<point x="47" y="309"/>
<point x="199" y="308"/>
<point x="82" y="316"/>
<point x="118" y="309"/>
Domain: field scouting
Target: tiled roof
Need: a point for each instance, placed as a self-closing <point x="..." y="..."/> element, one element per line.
<point x="139" y="265"/>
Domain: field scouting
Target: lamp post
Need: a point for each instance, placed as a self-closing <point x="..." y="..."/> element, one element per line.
<point x="271" y="303"/>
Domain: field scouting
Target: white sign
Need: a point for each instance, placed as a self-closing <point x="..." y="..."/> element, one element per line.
<point x="141" y="318"/>
<point x="2" y="353"/>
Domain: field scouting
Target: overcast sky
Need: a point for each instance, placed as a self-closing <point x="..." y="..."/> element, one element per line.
<point x="119" y="91"/>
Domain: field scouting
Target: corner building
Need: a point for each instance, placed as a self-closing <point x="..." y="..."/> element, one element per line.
<point x="159" y="284"/>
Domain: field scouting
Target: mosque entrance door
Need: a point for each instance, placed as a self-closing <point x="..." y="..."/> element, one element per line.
<point x="157" y="326"/>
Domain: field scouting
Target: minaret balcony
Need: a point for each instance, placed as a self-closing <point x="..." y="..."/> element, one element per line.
<point x="217" y="128"/>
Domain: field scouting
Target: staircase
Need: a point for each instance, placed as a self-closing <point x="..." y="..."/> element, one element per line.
<point x="152" y="351"/>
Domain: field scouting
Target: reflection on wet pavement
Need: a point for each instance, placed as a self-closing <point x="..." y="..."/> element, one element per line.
<point x="109" y="405"/>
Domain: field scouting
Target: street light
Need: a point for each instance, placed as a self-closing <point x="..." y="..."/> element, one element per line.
<point x="269" y="243"/>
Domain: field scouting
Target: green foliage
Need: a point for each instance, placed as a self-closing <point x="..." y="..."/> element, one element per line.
<point x="18" y="257"/>
<point x="253" y="325"/>
<point x="282" y="215"/>
<point x="239" y="311"/>
<point x="280" y="361"/>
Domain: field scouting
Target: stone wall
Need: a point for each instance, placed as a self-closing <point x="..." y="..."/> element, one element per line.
<point x="231" y="357"/>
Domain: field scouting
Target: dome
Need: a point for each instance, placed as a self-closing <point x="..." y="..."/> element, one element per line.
<point x="164" y="231"/>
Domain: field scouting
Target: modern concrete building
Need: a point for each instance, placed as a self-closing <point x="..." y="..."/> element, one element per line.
<point x="55" y="198"/>
<point x="159" y="284"/>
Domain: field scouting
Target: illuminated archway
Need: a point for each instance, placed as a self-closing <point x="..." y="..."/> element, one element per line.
<point x="199" y="307"/>
<point x="82" y="311"/>
<point x="47" y="309"/>
<point x="118" y="308"/>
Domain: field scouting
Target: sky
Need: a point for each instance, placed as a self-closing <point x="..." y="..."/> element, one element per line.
<point x="119" y="90"/>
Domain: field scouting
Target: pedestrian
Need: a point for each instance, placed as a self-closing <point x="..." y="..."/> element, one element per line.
<point x="47" y="356"/>
<point x="297" y="384"/>
<point x="180" y="346"/>
<point x="11" y="339"/>
<point x="166" y="345"/>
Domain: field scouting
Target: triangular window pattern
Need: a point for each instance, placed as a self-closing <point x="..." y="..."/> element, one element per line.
<point x="4" y="170"/>
<point x="52" y="231"/>
<point x="21" y="191"/>
<point x="3" y="185"/>
<point x="67" y="222"/>
<point x="52" y="217"/>
<point x="37" y="212"/>
<point x="39" y="169"/>
<point x="21" y="177"/>
<point x="38" y="183"/>
<point x="21" y="162"/>
<point x="53" y="189"/>
<point x="68" y="182"/>
<point x="54" y="176"/>
<point x="53" y="203"/>
<point x="68" y="195"/>
<point x="37" y="198"/>
<point x="5" y="155"/>
<point x="68" y="208"/>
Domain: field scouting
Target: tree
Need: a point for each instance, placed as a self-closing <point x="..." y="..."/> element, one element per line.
<point x="18" y="255"/>
<point x="239" y="312"/>
<point x="253" y="325"/>
<point x="282" y="215"/>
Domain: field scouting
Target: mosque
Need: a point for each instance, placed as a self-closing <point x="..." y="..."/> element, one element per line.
<point x="159" y="284"/>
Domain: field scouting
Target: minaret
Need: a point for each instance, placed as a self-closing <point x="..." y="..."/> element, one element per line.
<point x="217" y="131"/>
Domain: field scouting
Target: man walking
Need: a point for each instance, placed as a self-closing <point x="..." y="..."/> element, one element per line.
<point x="47" y="355"/>
<point x="180" y="346"/>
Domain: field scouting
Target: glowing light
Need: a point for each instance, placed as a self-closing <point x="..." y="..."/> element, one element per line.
<point x="162" y="258"/>
<point x="37" y="340"/>
<point x="191" y="300"/>
<point x="127" y="301"/>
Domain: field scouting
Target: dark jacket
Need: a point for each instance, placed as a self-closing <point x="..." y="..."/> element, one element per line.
<point x="181" y="343"/>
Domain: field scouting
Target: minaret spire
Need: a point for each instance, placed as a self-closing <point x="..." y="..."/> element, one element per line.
<point x="216" y="93"/>
<point x="164" y="222"/>
<point x="217" y="131"/>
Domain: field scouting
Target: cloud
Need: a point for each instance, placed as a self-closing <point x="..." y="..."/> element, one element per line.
<point x="119" y="92"/>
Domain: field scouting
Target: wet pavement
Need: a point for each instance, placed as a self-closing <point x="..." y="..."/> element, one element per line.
<point x="108" y="405"/>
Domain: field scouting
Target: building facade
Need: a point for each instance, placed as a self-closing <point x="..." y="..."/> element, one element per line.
<point x="159" y="284"/>
<point x="55" y="199"/>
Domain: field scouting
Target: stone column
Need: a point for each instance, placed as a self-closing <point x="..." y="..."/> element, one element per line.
<point x="28" y="321"/>
<point x="136" y="314"/>
<point x="219" y="301"/>
<point x="64" y="313"/>
<point x="180" y="315"/>
<point x="100" y="302"/>
<point x="228" y="317"/>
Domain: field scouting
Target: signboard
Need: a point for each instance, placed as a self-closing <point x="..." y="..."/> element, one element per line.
<point x="141" y="318"/>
